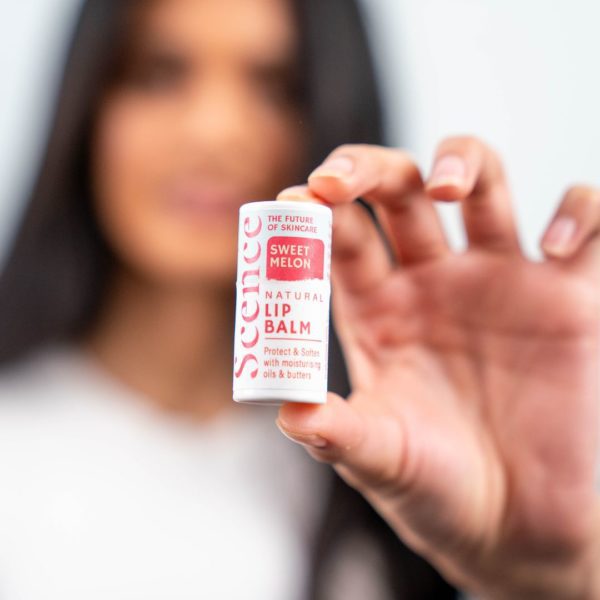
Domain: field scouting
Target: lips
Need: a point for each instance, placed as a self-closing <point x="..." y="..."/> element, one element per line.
<point x="201" y="200"/>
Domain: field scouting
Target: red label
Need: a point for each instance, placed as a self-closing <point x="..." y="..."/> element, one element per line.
<point x="295" y="258"/>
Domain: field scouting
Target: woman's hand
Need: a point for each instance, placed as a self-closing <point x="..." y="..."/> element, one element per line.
<point x="473" y="422"/>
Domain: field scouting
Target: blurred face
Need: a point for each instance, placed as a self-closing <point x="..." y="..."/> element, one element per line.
<point x="201" y="119"/>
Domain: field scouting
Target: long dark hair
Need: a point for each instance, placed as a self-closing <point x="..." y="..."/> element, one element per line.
<point x="57" y="272"/>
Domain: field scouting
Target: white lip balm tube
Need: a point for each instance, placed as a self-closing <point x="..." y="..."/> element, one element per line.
<point x="282" y="307"/>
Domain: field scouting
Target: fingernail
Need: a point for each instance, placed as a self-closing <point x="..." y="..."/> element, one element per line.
<point x="308" y="439"/>
<point x="559" y="236"/>
<point x="449" y="170"/>
<point x="337" y="167"/>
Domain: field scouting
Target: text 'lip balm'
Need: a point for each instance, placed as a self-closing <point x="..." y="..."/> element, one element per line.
<point x="282" y="307"/>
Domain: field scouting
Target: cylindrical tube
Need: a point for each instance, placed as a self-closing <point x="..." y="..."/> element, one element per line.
<point x="282" y="308"/>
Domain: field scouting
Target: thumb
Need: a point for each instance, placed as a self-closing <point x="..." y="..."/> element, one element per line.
<point x="365" y="447"/>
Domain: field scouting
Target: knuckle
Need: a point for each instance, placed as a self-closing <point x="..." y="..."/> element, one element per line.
<point x="471" y="146"/>
<point x="407" y="163"/>
<point x="352" y="149"/>
<point x="582" y="193"/>
<point x="345" y="148"/>
<point x="402" y="155"/>
<point x="464" y="143"/>
<point x="383" y="160"/>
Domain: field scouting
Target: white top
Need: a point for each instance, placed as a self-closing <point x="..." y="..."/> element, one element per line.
<point x="102" y="496"/>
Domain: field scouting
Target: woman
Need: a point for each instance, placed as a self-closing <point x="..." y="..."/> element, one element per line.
<point x="126" y="470"/>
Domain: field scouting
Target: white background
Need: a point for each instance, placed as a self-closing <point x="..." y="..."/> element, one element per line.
<point x="522" y="74"/>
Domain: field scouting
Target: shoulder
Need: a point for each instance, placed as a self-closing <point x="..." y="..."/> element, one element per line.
<point x="33" y="431"/>
<point x="41" y="387"/>
<point x="35" y="377"/>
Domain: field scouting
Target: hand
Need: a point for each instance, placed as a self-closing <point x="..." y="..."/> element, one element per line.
<point x="473" y="422"/>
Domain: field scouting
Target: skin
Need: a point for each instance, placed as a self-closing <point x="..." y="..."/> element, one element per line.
<point x="473" y="422"/>
<point x="200" y="119"/>
<point x="472" y="427"/>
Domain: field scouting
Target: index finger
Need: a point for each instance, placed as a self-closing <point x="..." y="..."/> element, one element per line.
<point x="390" y="180"/>
<point x="359" y="258"/>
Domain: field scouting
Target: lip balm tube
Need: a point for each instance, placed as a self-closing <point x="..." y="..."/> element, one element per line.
<point x="282" y="308"/>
